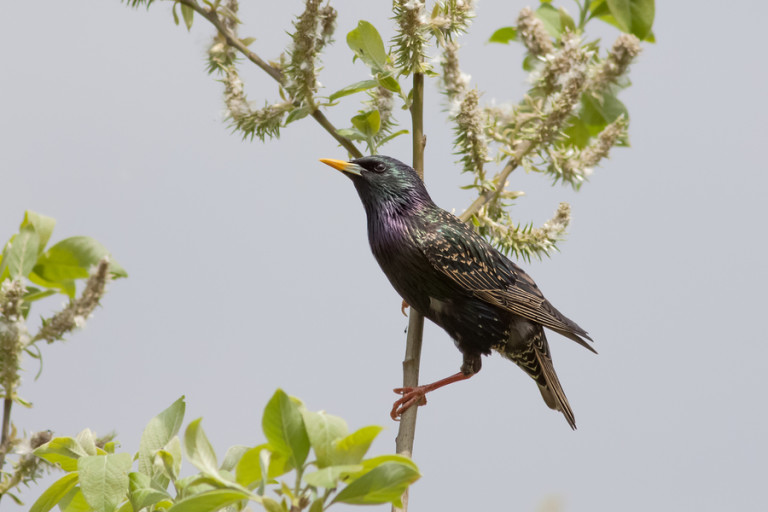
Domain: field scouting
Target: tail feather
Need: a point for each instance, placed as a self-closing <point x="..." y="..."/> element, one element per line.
<point x="535" y="360"/>
<point x="552" y="392"/>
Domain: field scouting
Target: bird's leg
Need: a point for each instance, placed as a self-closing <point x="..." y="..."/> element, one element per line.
<point x="403" y="307"/>
<point x="417" y="395"/>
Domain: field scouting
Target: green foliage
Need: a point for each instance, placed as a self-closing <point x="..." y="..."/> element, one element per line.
<point x="97" y="481"/>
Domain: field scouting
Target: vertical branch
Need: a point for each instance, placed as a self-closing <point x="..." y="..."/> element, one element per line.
<point x="412" y="361"/>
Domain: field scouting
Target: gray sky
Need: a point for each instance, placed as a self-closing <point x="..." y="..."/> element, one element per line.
<point x="250" y="268"/>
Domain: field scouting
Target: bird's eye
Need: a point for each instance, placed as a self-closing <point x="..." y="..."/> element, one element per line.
<point x="379" y="167"/>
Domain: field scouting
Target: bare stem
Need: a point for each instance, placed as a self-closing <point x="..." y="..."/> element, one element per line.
<point x="4" y="441"/>
<point x="412" y="361"/>
<point x="275" y="73"/>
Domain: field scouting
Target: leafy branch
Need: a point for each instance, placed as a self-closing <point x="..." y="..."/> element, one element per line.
<point x="99" y="479"/>
<point x="26" y="262"/>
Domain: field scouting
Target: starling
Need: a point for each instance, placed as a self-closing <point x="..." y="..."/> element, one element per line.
<point x="446" y="271"/>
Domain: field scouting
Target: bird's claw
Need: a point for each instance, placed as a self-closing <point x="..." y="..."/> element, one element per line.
<point x="411" y="397"/>
<point x="403" y="307"/>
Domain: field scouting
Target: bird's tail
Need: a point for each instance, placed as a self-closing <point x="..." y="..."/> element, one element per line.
<point x="551" y="391"/>
<point x="537" y="363"/>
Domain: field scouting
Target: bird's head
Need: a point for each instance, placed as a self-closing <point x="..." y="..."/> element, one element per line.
<point x="383" y="181"/>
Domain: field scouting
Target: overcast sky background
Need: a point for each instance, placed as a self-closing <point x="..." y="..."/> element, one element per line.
<point x="250" y="268"/>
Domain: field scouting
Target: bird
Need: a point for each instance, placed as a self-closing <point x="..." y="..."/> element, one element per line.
<point x="444" y="269"/>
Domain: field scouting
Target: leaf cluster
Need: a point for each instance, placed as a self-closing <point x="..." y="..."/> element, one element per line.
<point x="100" y="480"/>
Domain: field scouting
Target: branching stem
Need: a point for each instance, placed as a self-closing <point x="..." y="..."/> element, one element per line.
<point x="275" y="73"/>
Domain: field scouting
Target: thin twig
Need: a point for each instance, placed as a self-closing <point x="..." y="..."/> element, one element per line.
<point x="489" y="195"/>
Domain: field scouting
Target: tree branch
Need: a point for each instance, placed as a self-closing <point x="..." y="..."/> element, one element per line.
<point x="275" y="73"/>
<point x="412" y="361"/>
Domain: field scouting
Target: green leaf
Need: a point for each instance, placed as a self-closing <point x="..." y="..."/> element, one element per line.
<point x="504" y="35"/>
<point x="210" y="500"/>
<point x="271" y="505"/>
<point x="158" y="432"/>
<point x="52" y="495"/>
<point x="351" y="133"/>
<point x="248" y="470"/>
<point x="323" y="430"/>
<point x="167" y="460"/>
<point x="74" y="501"/>
<point x="577" y="132"/>
<point x="352" y="448"/>
<point x="199" y="450"/>
<point x="366" y="42"/>
<point x="104" y="480"/>
<point x="298" y="113"/>
<point x="21" y="253"/>
<point x="34" y="294"/>
<point x="352" y="89"/>
<point x="328" y="477"/>
<point x="566" y="22"/>
<point x="633" y="16"/>
<point x="597" y="114"/>
<point x="141" y="492"/>
<point x="188" y="14"/>
<point x="389" y="82"/>
<point x="368" y="123"/>
<point x="317" y="505"/>
<point x="63" y="451"/>
<point x="284" y="429"/>
<point x="248" y="41"/>
<point x="67" y="287"/>
<point x="42" y="224"/>
<point x="383" y="484"/>
<point x="233" y="456"/>
<point x="550" y="17"/>
<point x="72" y="258"/>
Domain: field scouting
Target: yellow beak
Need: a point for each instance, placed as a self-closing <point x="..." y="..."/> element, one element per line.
<point x="343" y="166"/>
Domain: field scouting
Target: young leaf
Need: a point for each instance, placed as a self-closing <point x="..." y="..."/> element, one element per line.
<point x="633" y="16"/>
<point x="104" y="480"/>
<point x="67" y="287"/>
<point x="249" y="468"/>
<point x="188" y="14"/>
<point x="158" y="432"/>
<point x="141" y="493"/>
<point x="74" y="501"/>
<point x="21" y="253"/>
<point x="366" y="42"/>
<point x="550" y="17"/>
<point x="504" y="35"/>
<point x="389" y="82"/>
<point x="42" y="224"/>
<point x="72" y="258"/>
<point x="368" y="123"/>
<point x="328" y="477"/>
<point x="597" y="114"/>
<point x="55" y="493"/>
<point x="210" y="500"/>
<point x="284" y="428"/>
<point x="233" y="456"/>
<point x="352" y="89"/>
<point x="199" y="450"/>
<point x="63" y="451"/>
<point x="383" y="484"/>
<point x="323" y="430"/>
<point x="352" y="448"/>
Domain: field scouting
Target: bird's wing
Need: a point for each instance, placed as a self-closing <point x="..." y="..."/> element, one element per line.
<point x="458" y="252"/>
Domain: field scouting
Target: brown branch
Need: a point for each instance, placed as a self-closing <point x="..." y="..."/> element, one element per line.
<point x="275" y="73"/>
<point x="407" y="431"/>
<point x="501" y="178"/>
